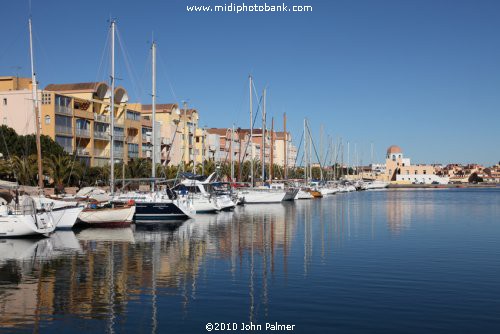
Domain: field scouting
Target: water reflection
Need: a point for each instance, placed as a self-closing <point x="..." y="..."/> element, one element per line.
<point x="126" y="278"/>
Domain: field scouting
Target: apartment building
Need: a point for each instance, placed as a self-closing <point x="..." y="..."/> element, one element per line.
<point x="179" y="135"/>
<point x="77" y="117"/>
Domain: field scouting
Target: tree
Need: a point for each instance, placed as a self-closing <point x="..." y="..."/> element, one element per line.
<point x="474" y="178"/>
<point x="13" y="144"/>
<point x="24" y="169"/>
<point x="63" y="171"/>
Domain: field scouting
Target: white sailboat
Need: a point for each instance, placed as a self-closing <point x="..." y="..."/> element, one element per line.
<point x="64" y="213"/>
<point x="23" y="218"/>
<point x="97" y="214"/>
<point x="263" y="194"/>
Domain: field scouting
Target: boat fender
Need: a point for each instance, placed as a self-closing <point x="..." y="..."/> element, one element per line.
<point x="131" y="202"/>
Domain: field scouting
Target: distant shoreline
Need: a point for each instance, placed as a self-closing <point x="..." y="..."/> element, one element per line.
<point x="442" y="186"/>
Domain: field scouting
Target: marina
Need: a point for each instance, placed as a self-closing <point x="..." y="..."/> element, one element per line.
<point x="347" y="263"/>
<point x="183" y="167"/>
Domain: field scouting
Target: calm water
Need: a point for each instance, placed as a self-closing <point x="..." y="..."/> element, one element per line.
<point x="378" y="262"/>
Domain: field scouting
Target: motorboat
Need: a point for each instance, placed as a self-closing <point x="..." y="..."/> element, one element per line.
<point x="158" y="206"/>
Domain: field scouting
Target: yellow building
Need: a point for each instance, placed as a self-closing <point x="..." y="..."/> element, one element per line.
<point x="178" y="133"/>
<point x="76" y="116"/>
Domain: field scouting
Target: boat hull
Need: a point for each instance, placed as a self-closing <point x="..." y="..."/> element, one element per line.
<point x="315" y="193"/>
<point x="107" y="217"/>
<point x="303" y="195"/>
<point x="65" y="218"/>
<point x="26" y="225"/>
<point x="158" y="212"/>
<point x="225" y="202"/>
<point x="262" y="196"/>
<point x="290" y="194"/>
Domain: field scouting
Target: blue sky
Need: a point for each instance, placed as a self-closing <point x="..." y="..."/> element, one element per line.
<point x="424" y="75"/>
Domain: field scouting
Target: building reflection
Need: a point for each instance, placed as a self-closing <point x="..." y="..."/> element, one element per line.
<point x="101" y="273"/>
<point x="403" y="206"/>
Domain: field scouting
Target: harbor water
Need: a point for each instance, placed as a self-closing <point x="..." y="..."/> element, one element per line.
<point x="391" y="261"/>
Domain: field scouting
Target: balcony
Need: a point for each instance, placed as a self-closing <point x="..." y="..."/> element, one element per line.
<point x="118" y="136"/>
<point x="118" y="153"/>
<point x="166" y="141"/>
<point x="101" y="135"/>
<point x="64" y="110"/>
<point x="132" y="154"/>
<point x="100" y="153"/>
<point x="68" y="149"/>
<point x="101" y="118"/>
<point x="64" y="130"/>
<point x="133" y="139"/>
<point x="80" y="151"/>
<point x="82" y="132"/>
<point x="119" y="122"/>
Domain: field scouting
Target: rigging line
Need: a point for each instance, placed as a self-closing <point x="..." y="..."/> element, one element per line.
<point x="254" y="119"/>
<point x="126" y="58"/>
<point x="298" y="149"/>
<point x="99" y="68"/>
<point x="165" y="73"/>
<point x="146" y="67"/>
<point x="74" y="159"/>
<point x="328" y="150"/>
<point x="46" y="58"/>
<point x="314" y="146"/>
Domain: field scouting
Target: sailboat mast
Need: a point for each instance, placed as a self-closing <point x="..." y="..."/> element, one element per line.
<point x="263" y="149"/>
<point x="251" y="130"/>
<point x="153" y="108"/>
<point x="305" y="152"/>
<point x="36" y="111"/>
<point x="271" y="160"/>
<point x="285" y="148"/>
<point x="112" y="110"/>
<point x="232" y="153"/>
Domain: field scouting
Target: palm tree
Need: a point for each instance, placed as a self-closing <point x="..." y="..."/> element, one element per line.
<point x="6" y="169"/>
<point x="24" y="169"/>
<point x="63" y="171"/>
<point x="138" y="168"/>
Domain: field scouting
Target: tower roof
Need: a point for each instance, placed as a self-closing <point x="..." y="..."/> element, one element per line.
<point x="394" y="149"/>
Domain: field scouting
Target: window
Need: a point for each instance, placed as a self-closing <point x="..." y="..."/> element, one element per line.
<point x="416" y="172"/>
<point x="425" y="172"/>
<point x="5" y="101"/>
<point x="66" y="143"/>
<point x="135" y="116"/>
<point x="47" y="119"/>
<point x="82" y="124"/>
<point x="46" y="98"/>
<point x="407" y="172"/>
<point x="63" y="121"/>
